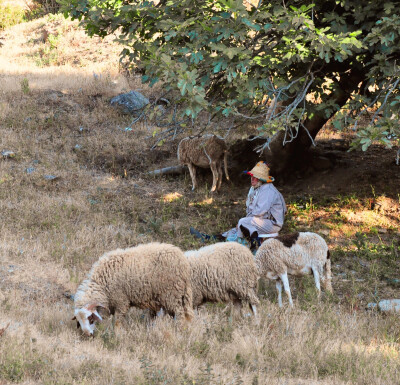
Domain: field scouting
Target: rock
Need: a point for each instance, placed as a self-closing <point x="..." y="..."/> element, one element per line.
<point x="51" y="177"/>
<point x="131" y="102"/>
<point x="386" y="305"/>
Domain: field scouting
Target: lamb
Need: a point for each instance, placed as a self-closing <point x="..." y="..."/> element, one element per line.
<point x="224" y="272"/>
<point x="148" y="276"/>
<point x="296" y="254"/>
<point x="204" y="151"/>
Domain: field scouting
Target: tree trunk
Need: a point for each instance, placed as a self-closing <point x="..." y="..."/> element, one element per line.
<point x="284" y="159"/>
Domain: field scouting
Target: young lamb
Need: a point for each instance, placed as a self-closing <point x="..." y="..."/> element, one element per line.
<point x="224" y="272"/>
<point x="295" y="254"/>
<point x="208" y="151"/>
<point x="148" y="276"/>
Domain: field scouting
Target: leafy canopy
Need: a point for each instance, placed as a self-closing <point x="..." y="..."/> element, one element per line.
<point x="231" y="57"/>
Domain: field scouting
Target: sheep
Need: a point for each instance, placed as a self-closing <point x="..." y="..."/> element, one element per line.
<point x="204" y="151"/>
<point x="148" y="276"/>
<point x="224" y="272"/>
<point x="296" y="254"/>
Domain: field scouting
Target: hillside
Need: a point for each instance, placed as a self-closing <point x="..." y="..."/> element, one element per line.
<point x="77" y="187"/>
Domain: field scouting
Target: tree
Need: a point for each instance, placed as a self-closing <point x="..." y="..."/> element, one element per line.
<point x="230" y="58"/>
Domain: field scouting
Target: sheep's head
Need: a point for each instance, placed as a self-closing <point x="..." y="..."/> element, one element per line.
<point x="87" y="316"/>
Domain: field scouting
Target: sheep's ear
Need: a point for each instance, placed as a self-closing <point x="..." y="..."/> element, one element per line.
<point x="96" y="308"/>
<point x="78" y="325"/>
<point x="102" y="310"/>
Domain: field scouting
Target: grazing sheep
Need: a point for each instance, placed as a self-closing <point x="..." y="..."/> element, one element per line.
<point x="295" y="254"/>
<point x="148" y="276"/>
<point x="224" y="272"/>
<point x="208" y="151"/>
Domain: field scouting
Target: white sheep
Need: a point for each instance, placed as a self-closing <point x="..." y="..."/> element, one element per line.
<point x="208" y="151"/>
<point x="147" y="276"/>
<point x="296" y="254"/>
<point x="224" y="272"/>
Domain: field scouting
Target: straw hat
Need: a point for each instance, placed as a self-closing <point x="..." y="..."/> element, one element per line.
<point x="261" y="172"/>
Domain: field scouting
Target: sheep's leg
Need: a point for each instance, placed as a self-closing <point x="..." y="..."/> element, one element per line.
<point x="285" y="281"/>
<point x="215" y="176"/>
<point x="255" y="314"/>
<point x="226" y="165"/>
<point x="328" y="275"/>
<point x="279" y="290"/>
<point x="192" y="170"/>
<point x="119" y="322"/>
<point x="220" y="175"/>
<point x="316" y="279"/>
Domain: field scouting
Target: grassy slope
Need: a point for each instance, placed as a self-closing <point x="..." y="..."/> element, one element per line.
<point x="52" y="231"/>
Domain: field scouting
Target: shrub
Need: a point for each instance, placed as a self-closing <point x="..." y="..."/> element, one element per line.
<point x="43" y="7"/>
<point x="10" y="15"/>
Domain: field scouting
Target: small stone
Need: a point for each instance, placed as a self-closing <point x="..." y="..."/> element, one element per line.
<point x="51" y="177"/>
<point x="30" y="170"/>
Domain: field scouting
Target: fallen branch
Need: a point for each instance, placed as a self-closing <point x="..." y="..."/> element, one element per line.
<point x="168" y="170"/>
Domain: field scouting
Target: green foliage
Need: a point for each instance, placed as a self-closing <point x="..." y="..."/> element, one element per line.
<point x="229" y="59"/>
<point x="10" y="15"/>
<point x="25" y="86"/>
<point x="18" y="362"/>
<point x="49" y="55"/>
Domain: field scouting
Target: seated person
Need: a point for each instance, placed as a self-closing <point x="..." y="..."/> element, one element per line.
<point x="265" y="209"/>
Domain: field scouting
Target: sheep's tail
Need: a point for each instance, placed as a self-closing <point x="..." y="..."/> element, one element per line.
<point x="226" y="165"/>
<point x="328" y="274"/>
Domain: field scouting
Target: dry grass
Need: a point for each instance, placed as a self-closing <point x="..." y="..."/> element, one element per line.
<point x="53" y="230"/>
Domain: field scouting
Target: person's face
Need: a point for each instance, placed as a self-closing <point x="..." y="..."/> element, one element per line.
<point x="254" y="181"/>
